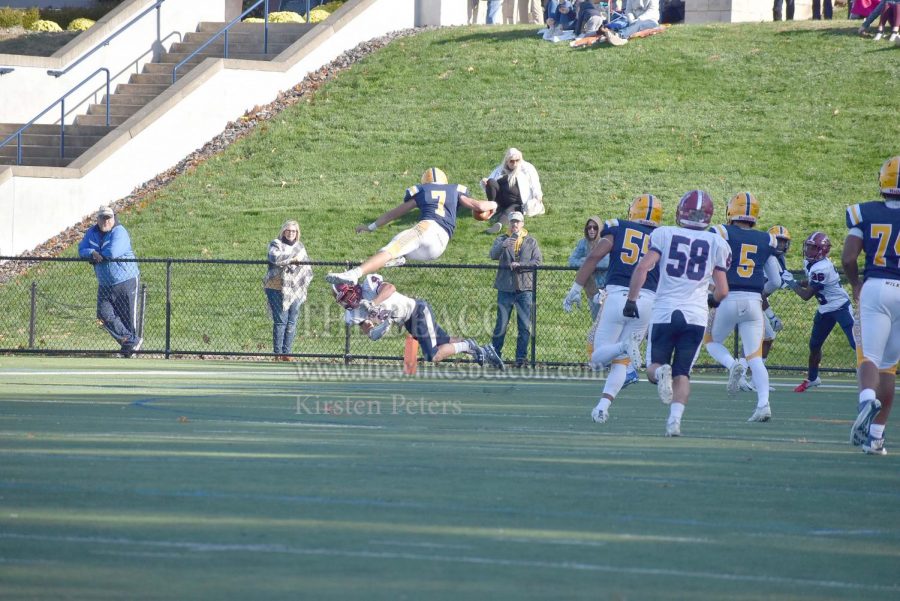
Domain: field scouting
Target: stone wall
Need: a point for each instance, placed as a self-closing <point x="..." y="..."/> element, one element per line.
<point x="741" y="11"/>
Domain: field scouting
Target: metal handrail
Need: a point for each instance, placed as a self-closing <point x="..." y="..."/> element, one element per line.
<point x="62" y="120"/>
<point x="105" y="42"/>
<point x="225" y="29"/>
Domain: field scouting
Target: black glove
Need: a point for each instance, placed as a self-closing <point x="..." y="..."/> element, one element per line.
<point x="96" y="257"/>
<point x="711" y="301"/>
<point x="630" y="309"/>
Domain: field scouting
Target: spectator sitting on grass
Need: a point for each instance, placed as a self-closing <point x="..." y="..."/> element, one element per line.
<point x="641" y="15"/>
<point x="515" y="186"/>
<point x="590" y="18"/>
<point x="890" y="12"/>
<point x="560" y="16"/>
<point x="876" y="12"/>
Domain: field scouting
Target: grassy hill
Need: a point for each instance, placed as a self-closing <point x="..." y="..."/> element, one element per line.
<point x="798" y="113"/>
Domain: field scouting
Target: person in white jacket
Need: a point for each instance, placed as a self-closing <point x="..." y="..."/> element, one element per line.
<point x="515" y="186"/>
<point x="641" y="15"/>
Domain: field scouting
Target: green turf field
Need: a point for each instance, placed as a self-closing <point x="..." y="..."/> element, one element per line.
<point x="189" y="480"/>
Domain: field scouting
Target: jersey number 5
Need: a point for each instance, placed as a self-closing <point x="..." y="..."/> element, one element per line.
<point x="635" y="245"/>
<point x="745" y="263"/>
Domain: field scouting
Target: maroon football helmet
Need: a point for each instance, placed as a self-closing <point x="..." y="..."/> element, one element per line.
<point x="695" y="210"/>
<point x="816" y="247"/>
<point x="347" y="295"/>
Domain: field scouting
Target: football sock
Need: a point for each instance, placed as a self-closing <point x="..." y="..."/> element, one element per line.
<point x="614" y="379"/>
<point x="603" y="404"/>
<point x="867" y="394"/>
<point x="876" y="430"/>
<point x="676" y="410"/>
<point x="605" y="353"/>
<point x="463" y="347"/>
<point x="760" y="377"/>
<point x="718" y="352"/>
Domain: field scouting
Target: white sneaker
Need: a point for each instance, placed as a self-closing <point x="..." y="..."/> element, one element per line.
<point x="599" y="415"/>
<point x="673" y="428"/>
<point x="494" y="229"/>
<point x="735" y="375"/>
<point x="761" y="414"/>
<point x="633" y="350"/>
<point x="878" y="36"/>
<point x="396" y="262"/>
<point x="664" y="383"/>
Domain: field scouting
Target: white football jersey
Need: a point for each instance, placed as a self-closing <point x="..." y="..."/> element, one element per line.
<point x="687" y="261"/>
<point x="824" y="278"/>
<point x="399" y="306"/>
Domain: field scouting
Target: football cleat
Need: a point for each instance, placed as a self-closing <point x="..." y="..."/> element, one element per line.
<point x="673" y="428"/>
<point x="816" y="247"/>
<point x="347" y="295"/>
<point x="742" y="207"/>
<point x="396" y="262"/>
<point x="345" y="277"/>
<point x="490" y="353"/>
<point x="860" y="430"/>
<point x="664" y="383"/>
<point x="477" y="351"/>
<point x="874" y="446"/>
<point x="761" y="414"/>
<point x="433" y="175"/>
<point x="631" y="377"/>
<point x="646" y="209"/>
<point x="783" y="236"/>
<point x="599" y="416"/>
<point x="746" y="385"/>
<point x="695" y="210"/>
<point x="735" y="375"/>
<point x="633" y="350"/>
<point x="807" y="384"/>
<point x="889" y="177"/>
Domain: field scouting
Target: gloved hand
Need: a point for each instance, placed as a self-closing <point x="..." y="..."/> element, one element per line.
<point x="96" y="257"/>
<point x="573" y="298"/>
<point x="711" y="301"/>
<point x="774" y="321"/>
<point x="630" y="309"/>
<point x="599" y="298"/>
<point x="788" y="281"/>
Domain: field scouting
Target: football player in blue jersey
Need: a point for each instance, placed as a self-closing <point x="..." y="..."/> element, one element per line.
<point x="754" y="271"/>
<point x="875" y="230"/>
<point x="438" y="203"/>
<point x="823" y="283"/>
<point x="690" y="258"/>
<point x="773" y="324"/>
<point x="617" y="338"/>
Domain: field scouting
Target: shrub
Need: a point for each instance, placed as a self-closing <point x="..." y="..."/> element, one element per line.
<point x="80" y="24"/>
<point x="317" y="15"/>
<point x="30" y="17"/>
<point x="10" y="17"/>
<point x="253" y="20"/>
<point x="42" y="25"/>
<point x="331" y="6"/>
<point x="285" y="17"/>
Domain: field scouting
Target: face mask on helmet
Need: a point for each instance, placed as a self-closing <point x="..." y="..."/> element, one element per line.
<point x="782" y="237"/>
<point x="347" y="295"/>
<point x="816" y="247"/>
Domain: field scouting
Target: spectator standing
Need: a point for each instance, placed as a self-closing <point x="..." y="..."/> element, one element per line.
<point x="641" y="15"/>
<point x="582" y="250"/>
<point x="776" y="10"/>
<point x="473" y="11"/>
<point x="493" y="11"/>
<point x="104" y="245"/>
<point x="518" y="254"/>
<point x="515" y="186"/>
<point x="818" y="5"/>
<point x="286" y="284"/>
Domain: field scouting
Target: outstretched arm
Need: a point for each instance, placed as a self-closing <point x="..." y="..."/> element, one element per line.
<point x="477" y="205"/>
<point x="386" y="218"/>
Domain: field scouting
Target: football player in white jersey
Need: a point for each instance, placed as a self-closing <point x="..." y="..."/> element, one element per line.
<point x="875" y="230"/>
<point x="375" y="305"/>
<point x="823" y="283"/>
<point x="690" y="258"/>
<point x="438" y="203"/>
<point x="754" y="271"/>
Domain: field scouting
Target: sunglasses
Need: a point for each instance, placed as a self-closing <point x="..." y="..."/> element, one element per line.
<point x="593" y="227"/>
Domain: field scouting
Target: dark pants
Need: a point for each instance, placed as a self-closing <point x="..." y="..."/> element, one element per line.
<point x="776" y="10"/>
<point x="817" y="9"/>
<point x="524" y="304"/>
<point x="117" y="309"/>
<point x="823" y="323"/>
<point x="284" y="328"/>
<point x="507" y="197"/>
<point x="428" y="333"/>
<point x="676" y="343"/>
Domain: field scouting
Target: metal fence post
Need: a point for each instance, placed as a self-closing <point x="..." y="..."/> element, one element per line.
<point x="143" y="315"/>
<point x="168" y="308"/>
<point x="533" y="317"/>
<point x="33" y="317"/>
<point x="736" y="348"/>
<point x="346" y="344"/>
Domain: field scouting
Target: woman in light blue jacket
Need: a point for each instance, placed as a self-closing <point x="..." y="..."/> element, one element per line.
<point x="592" y="230"/>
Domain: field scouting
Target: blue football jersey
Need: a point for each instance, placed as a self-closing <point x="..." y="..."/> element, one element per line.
<point x="880" y="227"/>
<point x="437" y="202"/>
<point x="750" y="249"/>
<point x="631" y="241"/>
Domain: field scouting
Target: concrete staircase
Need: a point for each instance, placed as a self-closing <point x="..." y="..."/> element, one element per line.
<point x="40" y="143"/>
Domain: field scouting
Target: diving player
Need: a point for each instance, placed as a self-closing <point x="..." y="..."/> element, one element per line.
<point x="616" y="337"/>
<point x="754" y="271"/>
<point x="689" y="258"/>
<point x="375" y="305"/>
<point x="875" y="230"/>
<point x="824" y="283"/>
<point x="438" y="203"/>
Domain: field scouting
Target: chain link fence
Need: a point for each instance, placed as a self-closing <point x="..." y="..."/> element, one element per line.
<point x="218" y="308"/>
